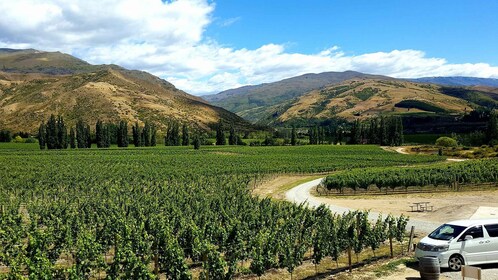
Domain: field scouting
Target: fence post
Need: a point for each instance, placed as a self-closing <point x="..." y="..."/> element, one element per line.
<point x="410" y="241"/>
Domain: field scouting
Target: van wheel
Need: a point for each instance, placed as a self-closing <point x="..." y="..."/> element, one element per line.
<point x="455" y="262"/>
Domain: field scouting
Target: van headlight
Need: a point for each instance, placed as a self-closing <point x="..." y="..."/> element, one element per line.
<point x="441" y="248"/>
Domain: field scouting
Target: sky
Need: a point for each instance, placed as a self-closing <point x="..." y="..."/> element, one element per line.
<point x="206" y="46"/>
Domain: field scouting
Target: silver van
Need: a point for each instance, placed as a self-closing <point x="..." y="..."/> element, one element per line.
<point x="463" y="242"/>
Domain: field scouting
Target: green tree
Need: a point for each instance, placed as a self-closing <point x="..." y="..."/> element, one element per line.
<point x="99" y="134"/>
<point x="153" y="135"/>
<point x="232" y="137"/>
<point x="41" y="136"/>
<point x="492" y="129"/>
<point x="137" y="135"/>
<point x="293" y="136"/>
<point x="220" y="134"/>
<point x="146" y="134"/>
<point x="197" y="142"/>
<point x="72" y="138"/>
<point x="52" y="133"/>
<point x="172" y="137"/>
<point x="88" y="137"/>
<point x="122" y="134"/>
<point x="355" y="136"/>
<point x="185" y="136"/>
<point x="446" y="142"/>
<point x="81" y="135"/>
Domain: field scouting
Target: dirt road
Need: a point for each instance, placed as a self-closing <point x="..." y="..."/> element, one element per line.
<point x="301" y="194"/>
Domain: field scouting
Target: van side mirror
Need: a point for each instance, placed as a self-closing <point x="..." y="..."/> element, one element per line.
<point x="468" y="237"/>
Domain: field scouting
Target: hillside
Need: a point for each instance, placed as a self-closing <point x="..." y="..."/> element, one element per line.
<point x="109" y="93"/>
<point x="364" y="98"/>
<point x="256" y="102"/>
<point x="458" y="81"/>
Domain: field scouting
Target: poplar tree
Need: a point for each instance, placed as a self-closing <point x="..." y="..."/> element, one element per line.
<point x="383" y="132"/>
<point x="61" y="134"/>
<point x="232" y="138"/>
<point x="220" y="135"/>
<point x="72" y="138"/>
<point x="146" y="134"/>
<point x="185" y="136"/>
<point x="88" y="137"/>
<point x="81" y="135"/>
<point x="492" y="128"/>
<point x="153" y="132"/>
<point x="197" y="142"/>
<point x="136" y="135"/>
<point x="122" y="134"/>
<point x="41" y="136"/>
<point x="293" y="136"/>
<point x="51" y="133"/>
<point x="99" y="134"/>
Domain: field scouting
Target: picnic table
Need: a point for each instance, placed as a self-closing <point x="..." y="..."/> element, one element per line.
<point x="421" y="207"/>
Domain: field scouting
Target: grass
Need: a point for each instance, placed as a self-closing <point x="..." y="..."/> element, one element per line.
<point x="327" y="267"/>
<point x="392" y="266"/>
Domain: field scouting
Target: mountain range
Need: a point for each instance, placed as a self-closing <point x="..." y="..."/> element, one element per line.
<point x="351" y="95"/>
<point x="35" y="84"/>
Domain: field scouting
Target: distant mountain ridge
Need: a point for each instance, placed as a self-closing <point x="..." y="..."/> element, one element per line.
<point x="268" y="103"/>
<point x="253" y="102"/>
<point x="458" y="81"/>
<point x="36" y="84"/>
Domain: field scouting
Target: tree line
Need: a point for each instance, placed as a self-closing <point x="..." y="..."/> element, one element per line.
<point x="386" y="131"/>
<point x="54" y="134"/>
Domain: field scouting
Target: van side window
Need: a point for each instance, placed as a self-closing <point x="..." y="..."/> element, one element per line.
<point x="476" y="232"/>
<point x="492" y="230"/>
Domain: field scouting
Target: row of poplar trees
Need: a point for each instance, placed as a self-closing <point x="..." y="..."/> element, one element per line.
<point x="385" y="131"/>
<point x="53" y="134"/>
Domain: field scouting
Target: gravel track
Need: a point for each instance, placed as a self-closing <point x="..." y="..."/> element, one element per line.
<point x="301" y="194"/>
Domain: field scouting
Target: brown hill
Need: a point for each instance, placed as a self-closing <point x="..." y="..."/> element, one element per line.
<point x="108" y="93"/>
<point x="364" y="98"/>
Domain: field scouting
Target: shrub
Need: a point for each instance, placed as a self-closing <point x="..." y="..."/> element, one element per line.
<point x="446" y="142"/>
<point x="30" y="140"/>
<point x="18" y="139"/>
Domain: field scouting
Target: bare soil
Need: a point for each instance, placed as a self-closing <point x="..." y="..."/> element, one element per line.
<point x="446" y="206"/>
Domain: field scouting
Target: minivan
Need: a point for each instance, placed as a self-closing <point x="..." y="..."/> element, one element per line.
<point x="462" y="242"/>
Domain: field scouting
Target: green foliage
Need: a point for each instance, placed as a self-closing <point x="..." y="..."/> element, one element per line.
<point x="492" y="129"/>
<point x="366" y="93"/>
<point x="185" y="135"/>
<point x="220" y="134"/>
<point x="122" y="134"/>
<point x="83" y="137"/>
<point x="144" y="205"/>
<point x="472" y="172"/>
<point x="421" y="105"/>
<point x="5" y="136"/>
<point x="18" y="139"/>
<point x="197" y="142"/>
<point x="446" y="142"/>
<point x="172" y="137"/>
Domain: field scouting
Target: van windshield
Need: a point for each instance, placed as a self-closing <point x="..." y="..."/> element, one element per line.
<point x="447" y="232"/>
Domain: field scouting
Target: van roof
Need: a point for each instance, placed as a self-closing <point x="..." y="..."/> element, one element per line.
<point x="468" y="223"/>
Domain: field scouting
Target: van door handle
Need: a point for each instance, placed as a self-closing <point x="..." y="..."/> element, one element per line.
<point x="481" y="242"/>
<point x="487" y="241"/>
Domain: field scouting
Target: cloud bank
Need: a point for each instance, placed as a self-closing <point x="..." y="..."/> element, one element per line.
<point x="167" y="38"/>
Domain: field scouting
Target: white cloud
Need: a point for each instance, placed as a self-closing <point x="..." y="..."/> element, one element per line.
<point x="167" y="39"/>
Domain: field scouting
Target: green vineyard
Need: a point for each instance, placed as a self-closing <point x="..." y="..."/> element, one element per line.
<point x="444" y="174"/>
<point x="140" y="213"/>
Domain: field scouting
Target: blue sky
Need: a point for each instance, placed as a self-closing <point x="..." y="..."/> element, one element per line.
<point x="206" y="46"/>
<point x="460" y="31"/>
